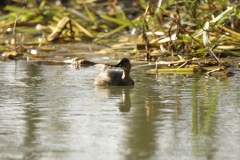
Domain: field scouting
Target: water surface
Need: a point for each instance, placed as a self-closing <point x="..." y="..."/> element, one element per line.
<point x="55" y="112"/>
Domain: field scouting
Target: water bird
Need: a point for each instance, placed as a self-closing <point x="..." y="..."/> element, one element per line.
<point x="114" y="76"/>
<point x="220" y="73"/>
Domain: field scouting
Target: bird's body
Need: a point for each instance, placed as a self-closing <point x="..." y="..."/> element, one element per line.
<point x="114" y="76"/>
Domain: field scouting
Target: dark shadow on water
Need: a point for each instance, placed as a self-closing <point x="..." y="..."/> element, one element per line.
<point x="32" y="115"/>
<point x="34" y="96"/>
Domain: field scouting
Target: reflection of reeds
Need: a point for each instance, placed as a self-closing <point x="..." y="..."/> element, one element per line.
<point x="149" y="110"/>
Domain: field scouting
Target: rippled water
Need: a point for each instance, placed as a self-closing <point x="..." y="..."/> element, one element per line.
<point x="55" y="112"/>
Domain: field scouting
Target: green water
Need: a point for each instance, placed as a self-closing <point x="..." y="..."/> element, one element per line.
<point x="55" y="112"/>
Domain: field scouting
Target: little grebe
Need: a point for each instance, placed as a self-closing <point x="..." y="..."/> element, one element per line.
<point x="116" y="77"/>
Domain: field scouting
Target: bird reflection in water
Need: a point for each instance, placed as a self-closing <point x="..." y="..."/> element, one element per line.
<point x="112" y="92"/>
